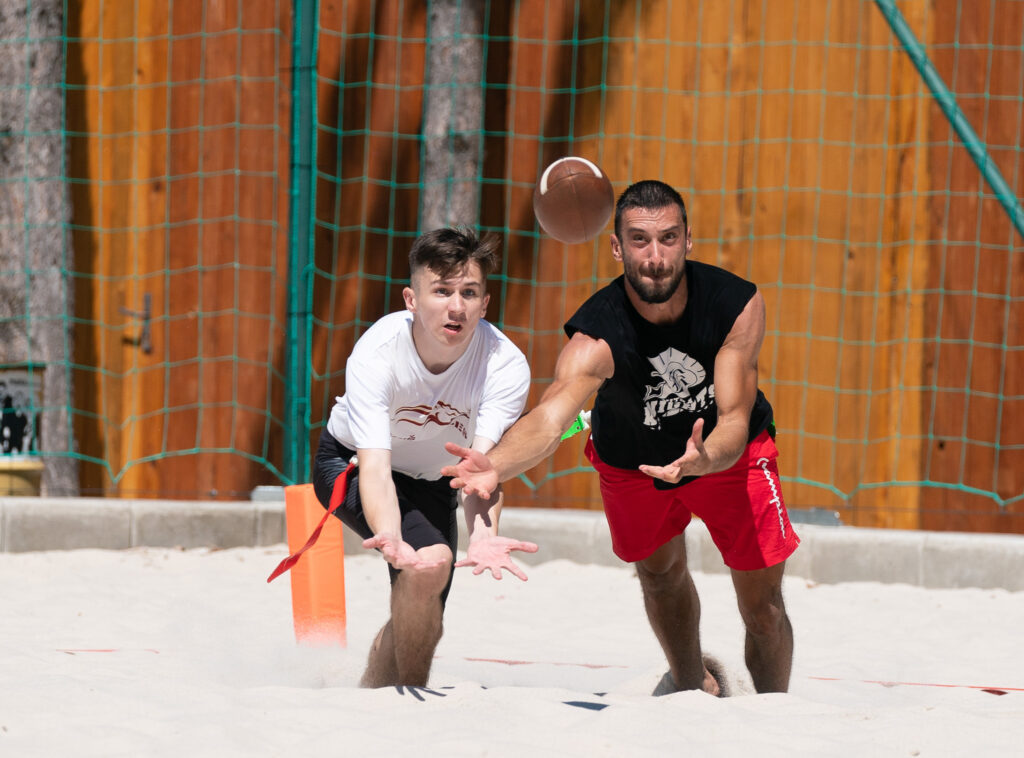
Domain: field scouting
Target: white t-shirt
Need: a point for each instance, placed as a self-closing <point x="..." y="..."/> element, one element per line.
<point x="392" y="402"/>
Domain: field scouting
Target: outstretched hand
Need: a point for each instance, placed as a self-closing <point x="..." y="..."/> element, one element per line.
<point x="399" y="553"/>
<point x="694" y="461"/>
<point x="493" y="552"/>
<point x="473" y="474"/>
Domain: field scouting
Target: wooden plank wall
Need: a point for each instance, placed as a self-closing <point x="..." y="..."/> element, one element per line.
<point x="370" y="69"/>
<point x="800" y="129"/>
<point x="975" y="318"/>
<point x="810" y="154"/>
<point x="177" y="119"/>
<point x="745" y="125"/>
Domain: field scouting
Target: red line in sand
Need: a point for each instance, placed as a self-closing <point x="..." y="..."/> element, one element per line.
<point x="72" y="651"/>
<point x="508" y="662"/>
<point x="884" y="683"/>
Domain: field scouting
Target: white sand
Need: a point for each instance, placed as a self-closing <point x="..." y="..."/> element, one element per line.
<point x="204" y="663"/>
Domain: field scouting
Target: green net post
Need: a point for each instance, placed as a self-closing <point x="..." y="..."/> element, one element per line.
<point x="300" y="218"/>
<point x="957" y="119"/>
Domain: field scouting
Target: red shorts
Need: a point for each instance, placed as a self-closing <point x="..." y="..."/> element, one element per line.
<point x="741" y="506"/>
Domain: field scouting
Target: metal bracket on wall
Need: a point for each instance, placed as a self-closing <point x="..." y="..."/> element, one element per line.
<point x="143" y="340"/>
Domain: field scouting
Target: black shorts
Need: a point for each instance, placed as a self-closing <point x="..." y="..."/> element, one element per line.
<point x="428" y="508"/>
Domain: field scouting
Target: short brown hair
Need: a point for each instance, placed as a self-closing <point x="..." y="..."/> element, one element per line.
<point x="447" y="250"/>
<point x="651" y="195"/>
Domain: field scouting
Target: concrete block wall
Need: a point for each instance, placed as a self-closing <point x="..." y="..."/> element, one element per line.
<point x="33" y="523"/>
<point x="827" y="554"/>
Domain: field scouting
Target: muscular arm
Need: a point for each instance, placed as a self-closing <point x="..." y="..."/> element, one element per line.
<point x="583" y="365"/>
<point x="735" y="393"/>
<point x="736" y="385"/>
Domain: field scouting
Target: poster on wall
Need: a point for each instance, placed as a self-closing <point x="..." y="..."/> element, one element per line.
<point x="19" y="409"/>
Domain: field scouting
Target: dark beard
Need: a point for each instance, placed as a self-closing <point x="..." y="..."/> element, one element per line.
<point x="654" y="292"/>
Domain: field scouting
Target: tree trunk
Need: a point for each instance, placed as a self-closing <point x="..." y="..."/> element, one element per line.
<point x="36" y="296"/>
<point x="454" y="115"/>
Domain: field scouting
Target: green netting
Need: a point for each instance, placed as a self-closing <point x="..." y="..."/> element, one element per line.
<point x="259" y="171"/>
<point x="148" y="141"/>
<point x="820" y="159"/>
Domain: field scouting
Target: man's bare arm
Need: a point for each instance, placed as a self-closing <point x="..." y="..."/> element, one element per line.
<point x="487" y="550"/>
<point x="380" y="508"/>
<point x="736" y="385"/>
<point x="377" y="492"/>
<point x="582" y="367"/>
<point x="735" y="393"/>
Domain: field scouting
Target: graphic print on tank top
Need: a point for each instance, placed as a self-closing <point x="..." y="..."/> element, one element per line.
<point x="680" y="375"/>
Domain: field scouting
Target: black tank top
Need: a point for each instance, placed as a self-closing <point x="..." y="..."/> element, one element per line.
<point x="664" y="376"/>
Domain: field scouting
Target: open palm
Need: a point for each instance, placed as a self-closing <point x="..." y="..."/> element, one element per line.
<point x="494" y="553"/>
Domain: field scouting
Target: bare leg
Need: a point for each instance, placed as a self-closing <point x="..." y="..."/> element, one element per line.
<point x="404" y="648"/>
<point x="381" y="669"/>
<point x="673" y="610"/>
<point x="769" y="640"/>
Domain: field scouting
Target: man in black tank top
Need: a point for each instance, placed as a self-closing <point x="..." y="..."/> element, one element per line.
<point x="680" y="428"/>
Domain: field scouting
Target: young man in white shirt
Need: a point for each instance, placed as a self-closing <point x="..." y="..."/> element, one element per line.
<point x="434" y="373"/>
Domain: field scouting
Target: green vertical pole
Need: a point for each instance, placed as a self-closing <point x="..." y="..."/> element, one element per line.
<point x="947" y="101"/>
<point x="300" y="241"/>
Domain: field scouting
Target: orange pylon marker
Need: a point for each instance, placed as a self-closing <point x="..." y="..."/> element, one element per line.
<point x="318" y="580"/>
